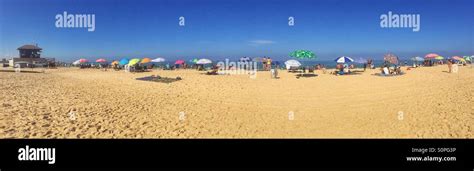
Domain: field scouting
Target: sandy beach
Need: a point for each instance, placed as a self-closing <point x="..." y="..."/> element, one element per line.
<point x="425" y="102"/>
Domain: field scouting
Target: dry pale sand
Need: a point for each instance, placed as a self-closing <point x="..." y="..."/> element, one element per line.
<point x="112" y="104"/>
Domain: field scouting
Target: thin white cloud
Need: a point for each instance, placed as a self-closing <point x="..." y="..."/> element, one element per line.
<point x="261" y="42"/>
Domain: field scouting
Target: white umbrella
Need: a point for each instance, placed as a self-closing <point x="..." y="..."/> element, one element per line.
<point x="77" y="62"/>
<point x="417" y="59"/>
<point x="158" y="60"/>
<point x="204" y="61"/>
<point x="344" y="59"/>
<point x="292" y="63"/>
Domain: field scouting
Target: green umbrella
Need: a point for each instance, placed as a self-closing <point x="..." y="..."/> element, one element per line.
<point x="193" y="60"/>
<point x="133" y="61"/>
<point x="303" y="54"/>
<point x="439" y="58"/>
<point x="467" y="58"/>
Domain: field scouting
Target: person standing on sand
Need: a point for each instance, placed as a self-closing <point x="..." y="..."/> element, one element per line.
<point x="264" y="63"/>
<point x="450" y="65"/>
<point x="269" y="64"/>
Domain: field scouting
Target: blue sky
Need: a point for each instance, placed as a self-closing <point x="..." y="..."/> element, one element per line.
<point x="236" y="28"/>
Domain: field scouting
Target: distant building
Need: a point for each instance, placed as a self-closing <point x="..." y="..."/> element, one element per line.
<point x="30" y="55"/>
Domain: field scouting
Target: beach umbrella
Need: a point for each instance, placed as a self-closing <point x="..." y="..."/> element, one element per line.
<point x="101" y="60"/>
<point x="193" y="60"/>
<point x="203" y="61"/>
<point x="457" y="58"/>
<point x="391" y="58"/>
<point x="302" y="54"/>
<point x="468" y="58"/>
<point x="158" y="60"/>
<point x="145" y="60"/>
<point x="431" y="56"/>
<point x="179" y="62"/>
<point x="344" y="59"/>
<point x="245" y="59"/>
<point x="83" y="60"/>
<point x="439" y="58"/>
<point x="292" y="63"/>
<point x="115" y="63"/>
<point x="133" y="61"/>
<point x="76" y="62"/>
<point x="360" y="61"/>
<point x="417" y="59"/>
<point x="124" y="61"/>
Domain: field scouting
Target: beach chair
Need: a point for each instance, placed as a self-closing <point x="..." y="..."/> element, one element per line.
<point x="293" y="69"/>
<point x="213" y="72"/>
<point x="311" y="70"/>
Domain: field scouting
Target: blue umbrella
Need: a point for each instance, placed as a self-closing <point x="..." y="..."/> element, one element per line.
<point x="124" y="61"/>
<point x="344" y="59"/>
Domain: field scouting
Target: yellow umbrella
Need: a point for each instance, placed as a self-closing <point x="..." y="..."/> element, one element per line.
<point x="145" y="60"/>
<point x="133" y="61"/>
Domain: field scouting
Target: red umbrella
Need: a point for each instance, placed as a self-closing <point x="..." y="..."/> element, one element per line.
<point x="83" y="60"/>
<point x="431" y="56"/>
<point x="100" y="60"/>
<point x="457" y="58"/>
<point x="179" y="62"/>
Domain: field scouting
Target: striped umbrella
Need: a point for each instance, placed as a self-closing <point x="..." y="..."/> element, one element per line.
<point x="468" y="58"/>
<point x="344" y="59"/>
<point x="303" y="54"/>
<point x="457" y="58"/>
<point x="431" y="56"/>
